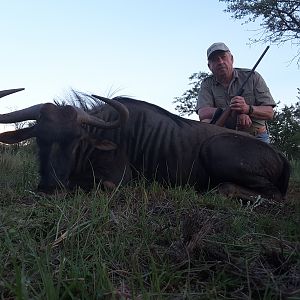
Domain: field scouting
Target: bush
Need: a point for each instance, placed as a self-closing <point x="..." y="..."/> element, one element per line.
<point x="285" y="131"/>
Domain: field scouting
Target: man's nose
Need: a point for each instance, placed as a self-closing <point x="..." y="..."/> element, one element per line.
<point x="219" y="59"/>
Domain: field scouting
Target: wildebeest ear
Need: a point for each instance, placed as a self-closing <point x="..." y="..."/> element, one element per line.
<point x="105" y="145"/>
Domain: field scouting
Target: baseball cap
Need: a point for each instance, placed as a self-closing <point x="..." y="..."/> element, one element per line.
<point x="216" y="47"/>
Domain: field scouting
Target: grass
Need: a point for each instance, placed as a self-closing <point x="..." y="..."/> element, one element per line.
<point x="296" y="170"/>
<point x="142" y="242"/>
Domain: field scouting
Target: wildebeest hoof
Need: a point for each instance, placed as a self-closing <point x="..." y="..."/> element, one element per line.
<point x="108" y="185"/>
<point x="234" y="191"/>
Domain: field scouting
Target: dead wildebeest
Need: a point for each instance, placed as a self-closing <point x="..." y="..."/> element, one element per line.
<point x="123" y="138"/>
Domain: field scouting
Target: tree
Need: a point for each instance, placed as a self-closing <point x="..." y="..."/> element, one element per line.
<point x="279" y="20"/>
<point x="285" y="130"/>
<point x="188" y="100"/>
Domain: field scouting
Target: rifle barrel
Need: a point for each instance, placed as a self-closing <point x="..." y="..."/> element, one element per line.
<point x="241" y="90"/>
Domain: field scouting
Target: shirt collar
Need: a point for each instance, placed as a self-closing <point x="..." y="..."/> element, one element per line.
<point x="235" y="75"/>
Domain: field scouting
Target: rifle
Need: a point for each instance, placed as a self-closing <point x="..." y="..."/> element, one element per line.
<point x="220" y="117"/>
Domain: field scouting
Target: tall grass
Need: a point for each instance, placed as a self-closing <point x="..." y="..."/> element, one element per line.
<point x="295" y="170"/>
<point x="141" y="242"/>
<point x="18" y="168"/>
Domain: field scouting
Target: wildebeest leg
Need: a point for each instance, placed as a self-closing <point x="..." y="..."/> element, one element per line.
<point x="246" y="162"/>
<point x="232" y="190"/>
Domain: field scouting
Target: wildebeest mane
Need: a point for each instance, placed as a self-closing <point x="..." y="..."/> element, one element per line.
<point x="92" y="105"/>
<point x="143" y="105"/>
<point x="79" y="99"/>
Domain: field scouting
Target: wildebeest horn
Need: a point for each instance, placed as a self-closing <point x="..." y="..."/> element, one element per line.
<point x="8" y="92"/>
<point x="33" y="112"/>
<point x="91" y="120"/>
<point x="30" y="113"/>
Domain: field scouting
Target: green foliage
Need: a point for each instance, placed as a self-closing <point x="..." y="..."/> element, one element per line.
<point x="187" y="102"/>
<point x="279" y="20"/>
<point x="285" y="130"/>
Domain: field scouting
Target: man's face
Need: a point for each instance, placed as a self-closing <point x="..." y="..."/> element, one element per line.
<point x="221" y="64"/>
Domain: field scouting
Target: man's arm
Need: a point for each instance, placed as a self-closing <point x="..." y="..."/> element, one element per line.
<point x="264" y="104"/>
<point x="205" y="102"/>
<point x="206" y="113"/>
<point x="262" y="112"/>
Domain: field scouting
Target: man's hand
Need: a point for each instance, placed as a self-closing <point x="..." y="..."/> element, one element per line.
<point x="239" y="105"/>
<point x="243" y="121"/>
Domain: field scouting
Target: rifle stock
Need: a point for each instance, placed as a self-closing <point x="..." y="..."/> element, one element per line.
<point x="223" y="118"/>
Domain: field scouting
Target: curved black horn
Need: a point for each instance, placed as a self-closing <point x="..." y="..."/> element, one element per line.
<point x="30" y="113"/>
<point x="8" y="92"/>
<point x="91" y="120"/>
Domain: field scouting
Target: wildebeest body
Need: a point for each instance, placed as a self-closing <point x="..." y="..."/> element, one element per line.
<point x="161" y="146"/>
<point x="155" y="144"/>
<point x="178" y="151"/>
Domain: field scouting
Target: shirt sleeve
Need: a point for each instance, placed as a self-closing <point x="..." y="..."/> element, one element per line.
<point x="205" y="96"/>
<point x="262" y="93"/>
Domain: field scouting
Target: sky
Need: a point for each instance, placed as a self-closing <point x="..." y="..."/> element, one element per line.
<point x="143" y="49"/>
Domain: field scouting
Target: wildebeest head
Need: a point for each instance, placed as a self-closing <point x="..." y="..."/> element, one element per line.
<point x="65" y="139"/>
